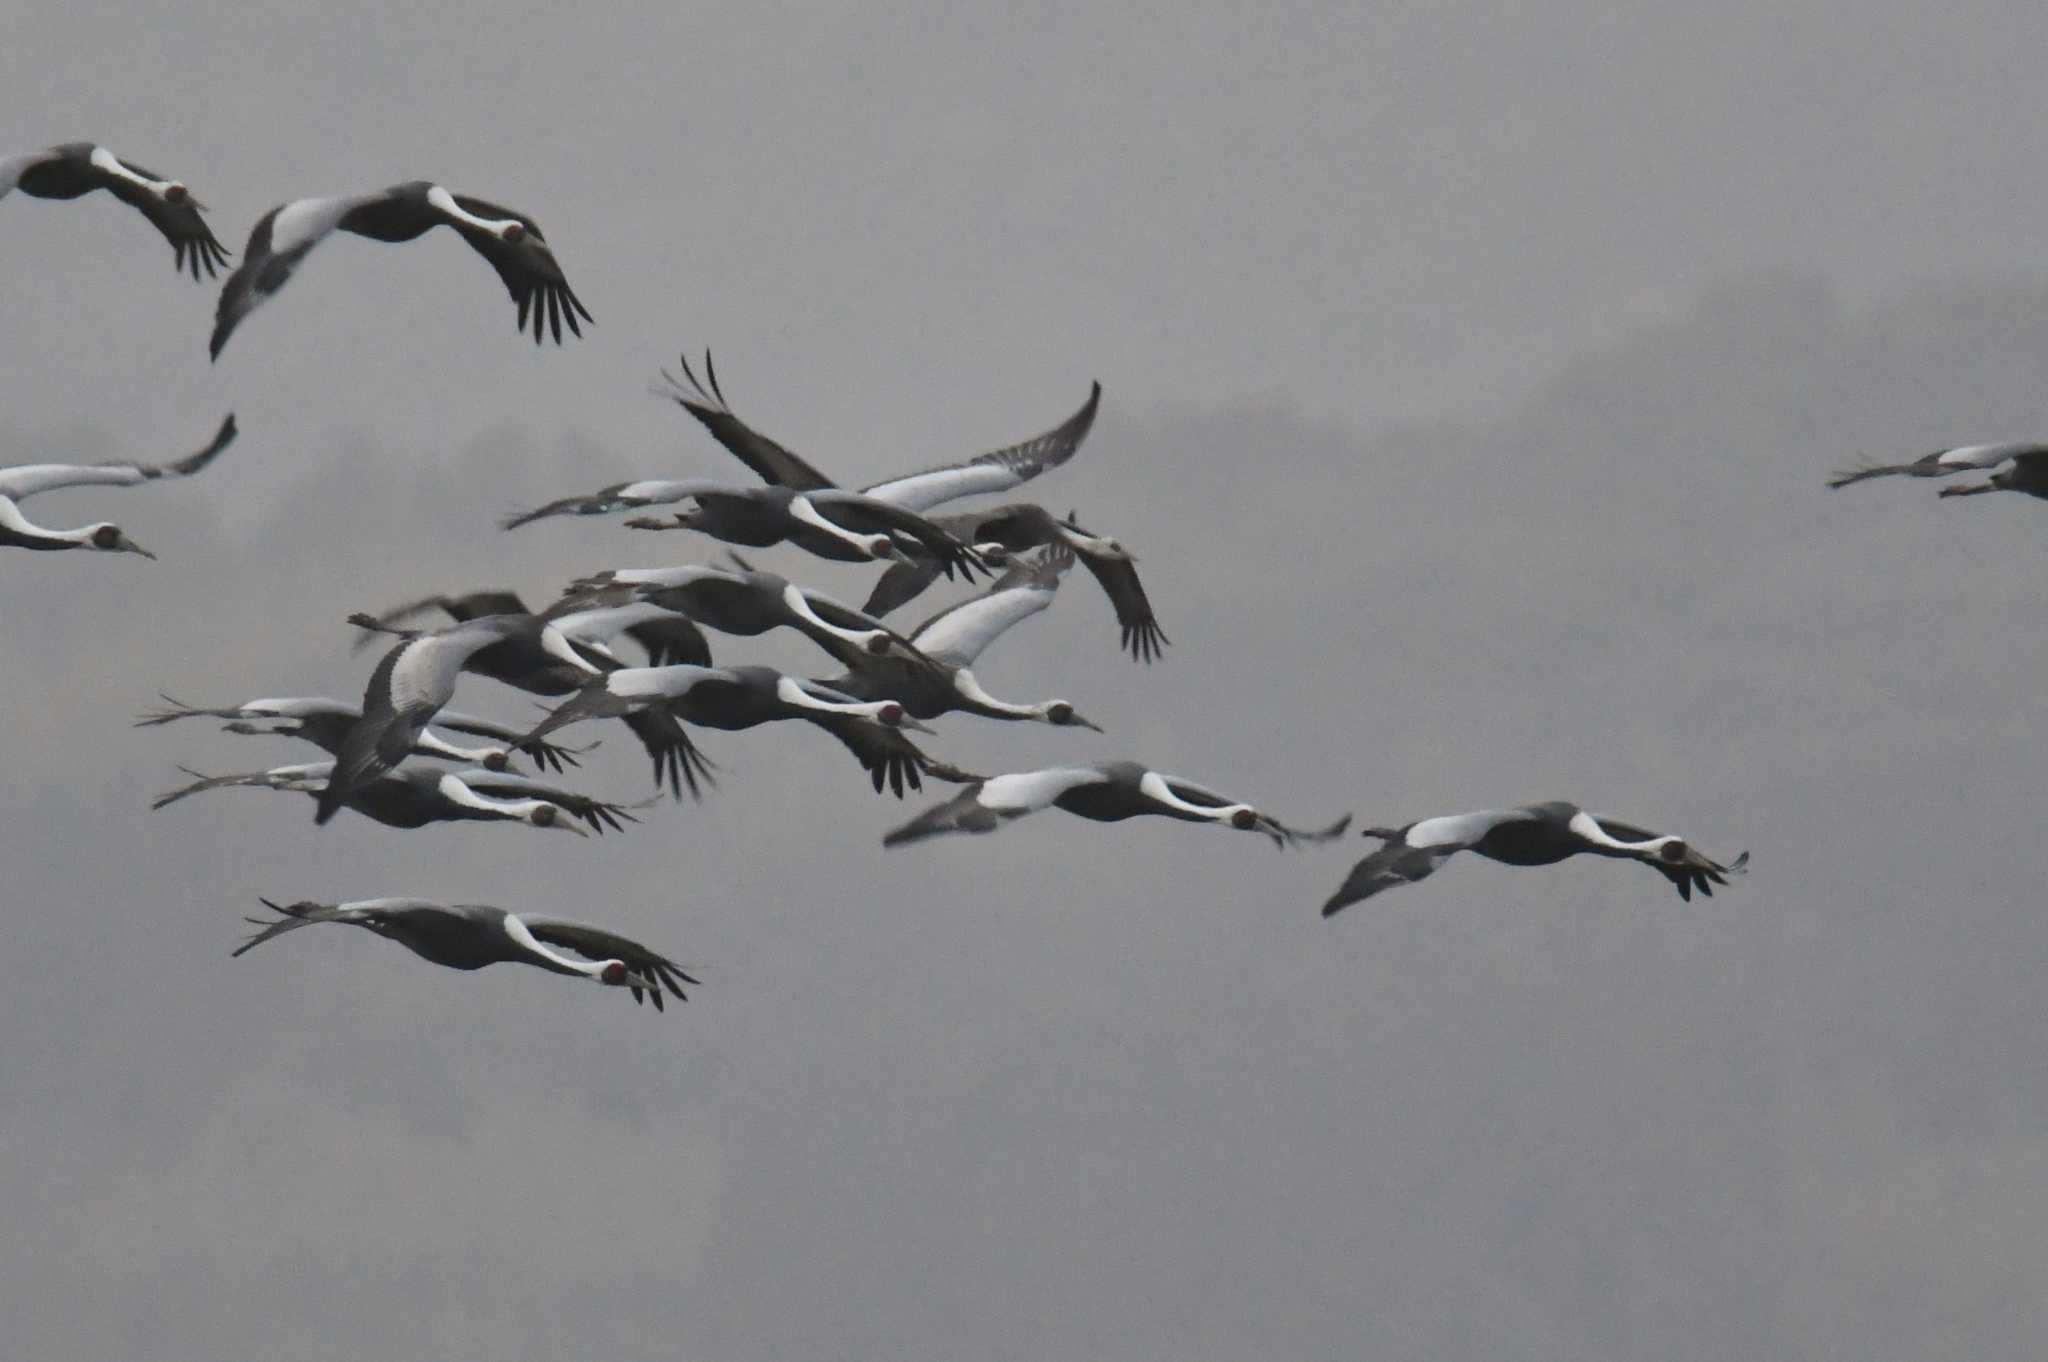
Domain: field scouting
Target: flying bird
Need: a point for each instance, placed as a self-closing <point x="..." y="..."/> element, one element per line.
<point x="999" y="470"/>
<point x="844" y="527"/>
<point x="1534" y="834"/>
<point x="737" y="698"/>
<point x="325" y="722"/>
<point x="409" y="687"/>
<point x="72" y="169"/>
<point x="527" y="660"/>
<point x="472" y="935"/>
<point x="2016" y="467"/>
<point x="1001" y="531"/>
<point x="509" y="240"/>
<point x="743" y="601"/>
<point x="19" y="483"/>
<point x="415" y="796"/>
<point x="951" y="641"/>
<point x="1107" y="792"/>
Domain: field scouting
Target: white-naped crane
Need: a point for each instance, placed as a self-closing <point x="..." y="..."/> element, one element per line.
<point x="1105" y="791"/>
<point x="743" y="601"/>
<point x="23" y="481"/>
<point x="999" y="470"/>
<point x="843" y="527"/>
<point x="1532" y="834"/>
<point x="71" y="170"/>
<point x="471" y="935"/>
<point x="668" y="640"/>
<point x="409" y="687"/>
<point x="522" y="662"/>
<point x="1002" y="531"/>
<point x="2014" y="467"/>
<point x="324" y="722"/>
<point x="953" y="640"/>
<point x="416" y="796"/>
<point x="509" y="240"/>
<point x="738" y="698"/>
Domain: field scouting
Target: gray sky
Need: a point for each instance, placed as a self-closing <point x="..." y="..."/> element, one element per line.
<point x="1470" y="383"/>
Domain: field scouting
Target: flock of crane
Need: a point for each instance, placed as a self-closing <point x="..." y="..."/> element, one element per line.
<point x="388" y="763"/>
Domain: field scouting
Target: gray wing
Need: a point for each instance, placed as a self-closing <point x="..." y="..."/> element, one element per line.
<point x="27" y="480"/>
<point x="996" y="471"/>
<point x="959" y="634"/>
<point x="1393" y="864"/>
<point x="776" y="465"/>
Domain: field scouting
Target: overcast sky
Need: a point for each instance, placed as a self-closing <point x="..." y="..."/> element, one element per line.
<point x="1471" y="379"/>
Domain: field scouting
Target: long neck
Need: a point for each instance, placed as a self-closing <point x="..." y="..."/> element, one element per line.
<point x="458" y="793"/>
<point x="107" y="163"/>
<point x="11" y="519"/>
<point x="1601" y="843"/>
<point x="1154" y="787"/>
<point x="794" y="693"/>
<point x="433" y="744"/>
<point x="801" y="508"/>
<point x="984" y="703"/>
<point x="538" y="954"/>
<point x="799" y="602"/>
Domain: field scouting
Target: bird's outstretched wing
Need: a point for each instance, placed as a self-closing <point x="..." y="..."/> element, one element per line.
<point x="621" y="496"/>
<point x="193" y="244"/>
<point x="961" y="633"/>
<point x="964" y="812"/>
<point x="1393" y="864"/>
<point x="528" y="268"/>
<point x="1940" y="464"/>
<point x="996" y="471"/>
<point x="25" y="481"/>
<point x="1118" y="578"/>
<point x="774" y="463"/>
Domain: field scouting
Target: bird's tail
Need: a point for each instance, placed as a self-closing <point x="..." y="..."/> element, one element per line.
<point x="964" y="812"/>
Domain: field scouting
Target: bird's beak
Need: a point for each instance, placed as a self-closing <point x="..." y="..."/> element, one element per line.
<point x="566" y="826"/>
<point x="1089" y="724"/>
<point x="126" y="545"/>
<point x="914" y="726"/>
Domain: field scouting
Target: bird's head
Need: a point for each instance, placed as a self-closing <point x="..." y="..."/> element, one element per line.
<point x="497" y="759"/>
<point x="543" y="815"/>
<point x="1244" y="818"/>
<point x="1671" y="850"/>
<point x="108" y="539"/>
<point x="176" y="193"/>
<point x="617" y="974"/>
<point x="994" y="554"/>
<point x="892" y="715"/>
<point x="512" y="232"/>
<point x="1060" y="714"/>
<point x="882" y="546"/>
<point x="877" y="642"/>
